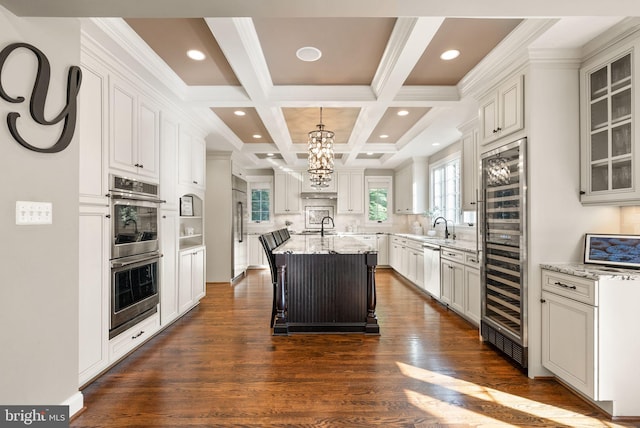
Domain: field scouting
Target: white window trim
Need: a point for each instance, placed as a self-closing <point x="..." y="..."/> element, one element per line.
<point x="388" y="180"/>
<point x="438" y="164"/>
<point x="252" y="183"/>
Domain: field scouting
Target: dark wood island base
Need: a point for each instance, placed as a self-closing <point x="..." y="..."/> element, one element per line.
<point x="326" y="293"/>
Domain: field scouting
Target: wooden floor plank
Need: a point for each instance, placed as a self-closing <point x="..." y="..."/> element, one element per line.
<point x="220" y="366"/>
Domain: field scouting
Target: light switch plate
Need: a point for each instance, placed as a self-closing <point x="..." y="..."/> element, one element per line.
<point x="34" y="212"/>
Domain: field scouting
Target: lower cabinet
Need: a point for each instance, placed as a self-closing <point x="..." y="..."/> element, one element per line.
<point x="383" y="249"/>
<point x="93" y="292"/>
<point x="587" y="338"/>
<point x="126" y="341"/>
<point x="257" y="257"/>
<point x="191" y="282"/>
<point x="169" y="224"/>
<point x="460" y="283"/>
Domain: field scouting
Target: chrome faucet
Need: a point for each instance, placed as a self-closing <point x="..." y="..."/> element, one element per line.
<point x="446" y="229"/>
<point x="322" y="224"/>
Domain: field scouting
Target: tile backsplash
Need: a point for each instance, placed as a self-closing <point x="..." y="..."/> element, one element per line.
<point x="630" y="220"/>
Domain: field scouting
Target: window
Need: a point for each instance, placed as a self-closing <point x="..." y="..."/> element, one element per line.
<point x="260" y="199"/>
<point x="445" y="188"/>
<point x="379" y="199"/>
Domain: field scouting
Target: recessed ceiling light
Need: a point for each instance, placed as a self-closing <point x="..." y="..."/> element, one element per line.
<point x="450" y="54"/>
<point x="308" y="54"/>
<point x="435" y="144"/>
<point x="269" y="154"/>
<point x="403" y="112"/>
<point x="195" y="54"/>
<point x="369" y="153"/>
<point x="239" y="113"/>
<point x="384" y="136"/>
<point x="256" y="136"/>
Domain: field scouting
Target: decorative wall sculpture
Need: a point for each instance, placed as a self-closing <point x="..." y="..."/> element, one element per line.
<point x="39" y="97"/>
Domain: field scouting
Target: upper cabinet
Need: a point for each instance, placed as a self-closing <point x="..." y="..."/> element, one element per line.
<point x="191" y="161"/>
<point x="134" y="124"/>
<point x="469" y="166"/>
<point x="287" y="186"/>
<point x="169" y="162"/>
<point x="350" y="192"/>
<point x="609" y="164"/>
<point x="502" y="110"/>
<point x="410" y="192"/>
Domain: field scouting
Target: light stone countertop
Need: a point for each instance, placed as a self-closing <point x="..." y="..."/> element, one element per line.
<point x="592" y="271"/>
<point x="456" y="244"/>
<point x="331" y="244"/>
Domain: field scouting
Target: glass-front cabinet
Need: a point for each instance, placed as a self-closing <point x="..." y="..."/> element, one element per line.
<point x="609" y="159"/>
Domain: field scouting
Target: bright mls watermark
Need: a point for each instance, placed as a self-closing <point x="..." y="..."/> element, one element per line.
<point x="34" y="416"/>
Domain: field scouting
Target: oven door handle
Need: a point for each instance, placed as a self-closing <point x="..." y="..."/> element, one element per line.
<point x="132" y="198"/>
<point x="131" y="262"/>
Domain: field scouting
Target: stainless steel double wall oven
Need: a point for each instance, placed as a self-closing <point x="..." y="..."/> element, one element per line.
<point x="135" y="252"/>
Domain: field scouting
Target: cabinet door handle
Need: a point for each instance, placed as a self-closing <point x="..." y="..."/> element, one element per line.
<point x="138" y="335"/>
<point x="543" y="301"/>
<point x="141" y="166"/>
<point x="572" y="287"/>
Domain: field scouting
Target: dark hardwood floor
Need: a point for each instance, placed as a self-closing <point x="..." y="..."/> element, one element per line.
<point x="220" y="366"/>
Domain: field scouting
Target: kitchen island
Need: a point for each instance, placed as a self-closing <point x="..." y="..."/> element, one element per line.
<point x="325" y="285"/>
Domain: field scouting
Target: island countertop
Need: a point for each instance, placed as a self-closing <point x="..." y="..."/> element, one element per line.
<point x="332" y="244"/>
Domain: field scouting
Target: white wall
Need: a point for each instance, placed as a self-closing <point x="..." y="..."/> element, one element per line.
<point x="218" y="233"/>
<point x="557" y="219"/>
<point x="39" y="264"/>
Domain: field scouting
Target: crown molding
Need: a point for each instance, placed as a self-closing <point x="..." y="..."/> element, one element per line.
<point x="510" y="55"/>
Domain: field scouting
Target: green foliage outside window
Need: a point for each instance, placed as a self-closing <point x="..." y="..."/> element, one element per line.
<point x="378" y="205"/>
<point x="259" y="205"/>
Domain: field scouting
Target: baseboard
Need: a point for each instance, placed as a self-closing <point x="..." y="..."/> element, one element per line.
<point x="75" y="403"/>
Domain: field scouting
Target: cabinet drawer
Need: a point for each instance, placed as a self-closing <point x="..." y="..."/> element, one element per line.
<point x="414" y="245"/>
<point x="576" y="288"/>
<point x="450" y="254"/>
<point x="132" y="338"/>
<point x="472" y="259"/>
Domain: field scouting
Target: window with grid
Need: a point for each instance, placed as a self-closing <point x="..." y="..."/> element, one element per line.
<point x="260" y="202"/>
<point x="445" y="188"/>
<point x="379" y="200"/>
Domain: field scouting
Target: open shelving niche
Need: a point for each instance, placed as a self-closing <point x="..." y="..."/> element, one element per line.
<point x="194" y="222"/>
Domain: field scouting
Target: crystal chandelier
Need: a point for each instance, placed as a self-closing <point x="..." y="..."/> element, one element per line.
<point x="320" y="155"/>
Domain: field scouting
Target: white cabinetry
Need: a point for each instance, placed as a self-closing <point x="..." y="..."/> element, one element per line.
<point x="191" y="283"/>
<point x="93" y="292"/>
<point x="257" y="257"/>
<point x="191" y="160"/>
<point x="406" y="258"/>
<point x="134" y="125"/>
<point x="383" y="249"/>
<point x="287" y="186"/>
<point x="169" y="162"/>
<point x="93" y="141"/>
<point x="502" y="110"/>
<point x="460" y="282"/>
<point x="350" y="192"/>
<point x="410" y="192"/>
<point x="585" y="336"/>
<point x="469" y="167"/>
<point x="128" y="340"/>
<point x="610" y="164"/>
<point x="169" y="226"/>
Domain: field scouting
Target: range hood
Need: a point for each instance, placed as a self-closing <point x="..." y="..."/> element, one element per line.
<point x="319" y="195"/>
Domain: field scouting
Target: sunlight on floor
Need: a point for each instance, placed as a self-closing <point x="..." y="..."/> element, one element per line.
<point x="483" y="396"/>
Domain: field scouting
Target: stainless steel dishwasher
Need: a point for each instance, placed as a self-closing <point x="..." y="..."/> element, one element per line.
<point x="432" y="269"/>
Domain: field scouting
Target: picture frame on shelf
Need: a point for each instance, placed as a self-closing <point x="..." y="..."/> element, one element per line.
<point x="186" y="206"/>
<point x="314" y="215"/>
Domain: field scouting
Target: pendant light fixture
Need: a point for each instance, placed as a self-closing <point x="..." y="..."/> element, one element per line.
<point x="321" y="155"/>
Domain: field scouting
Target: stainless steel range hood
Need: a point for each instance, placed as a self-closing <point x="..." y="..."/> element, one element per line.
<point x="319" y="195"/>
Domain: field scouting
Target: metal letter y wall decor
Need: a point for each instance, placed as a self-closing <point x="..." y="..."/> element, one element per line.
<point x="39" y="97"/>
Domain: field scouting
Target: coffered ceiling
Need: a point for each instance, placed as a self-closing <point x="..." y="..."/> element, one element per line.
<point x="364" y="63"/>
<point x="379" y="79"/>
